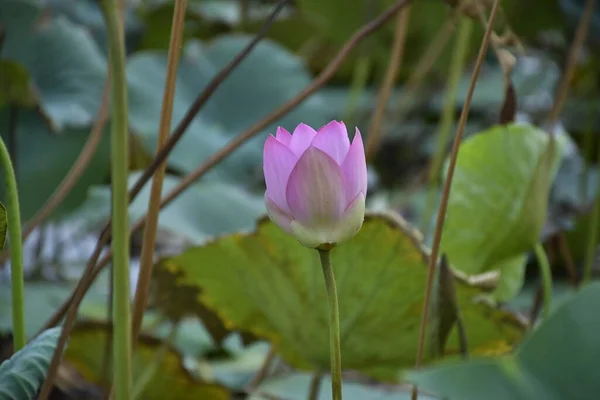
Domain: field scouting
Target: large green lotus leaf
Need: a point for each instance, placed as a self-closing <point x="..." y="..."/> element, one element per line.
<point x="499" y="196"/>
<point x="201" y="212"/>
<point x="557" y="361"/>
<point x="297" y="386"/>
<point x="44" y="159"/>
<point x="264" y="81"/>
<point x="170" y="380"/>
<point x="22" y="374"/>
<point x="268" y="284"/>
<point x="65" y="65"/>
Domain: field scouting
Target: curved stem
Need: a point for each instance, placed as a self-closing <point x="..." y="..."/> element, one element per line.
<point x="439" y="226"/>
<point x="149" y="240"/>
<point x="546" y="274"/>
<point x="335" y="348"/>
<point x="120" y="227"/>
<point x="16" y="249"/>
<point x="315" y="385"/>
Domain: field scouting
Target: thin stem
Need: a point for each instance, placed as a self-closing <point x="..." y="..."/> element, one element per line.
<point x="16" y="249"/>
<point x="447" y="186"/>
<point x="335" y="348"/>
<point x="150" y="371"/>
<point x="391" y="74"/>
<point x="149" y="241"/>
<point x="263" y="371"/>
<point x="592" y="238"/>
<point x="457" y="67"/>
<point x="587" y="151"/>
<point x="13" y="145"/>
<point x="360" y="74"/>
<point x="120" y="227"/>
<point x="567" y="257"/>
<point x="580" y="35"/>
<point x="425" y="64"/>
<point x="546" y="274"/>
<point x="315" y="386"/>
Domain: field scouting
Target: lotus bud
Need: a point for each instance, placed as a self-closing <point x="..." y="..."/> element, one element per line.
<point x="316" y="183"/>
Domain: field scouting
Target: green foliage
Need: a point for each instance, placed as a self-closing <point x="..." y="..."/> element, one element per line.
<point x="22" y="375"/>
<point x="499" y="197"/>
<point x="15" y="85"/>
<point x="169" y="381"/>
<point x="266" y="283"/>
<point x="202" y="211"/>
<point x="43" y="160"/>
<point x="296" y="387"/>
<point x="512" y="276"/>
<point x="269" y="77"/>
<point x="335" y="19"/>
<point x="43" y="298"/>
<point x="557" y="361"/>
<point x="57" y="68"/>
<point x="530" y="18"/>
<point x="64" y="64"/>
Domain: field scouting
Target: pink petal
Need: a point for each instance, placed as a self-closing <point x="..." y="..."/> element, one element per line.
<point x="333" y="140"/>
<point x="277" y="215"/>
<point x="283" y="136"/>
<point x="341" y="230"/>
<point x="354" y="169"/>
<point x="315" y="191"/>
<point x="301" y="139"/>
<point x="278" y="162"/>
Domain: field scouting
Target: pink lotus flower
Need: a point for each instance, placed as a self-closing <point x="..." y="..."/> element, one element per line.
<point x="316" y="183"/>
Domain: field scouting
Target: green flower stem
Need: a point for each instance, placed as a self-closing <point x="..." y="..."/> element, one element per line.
<point x="120" y="226"/>
<point x="13" y="215"/>
<point x="546" y="274"/>
<point x="457" y="67"/>
<point x="335" y="348"/>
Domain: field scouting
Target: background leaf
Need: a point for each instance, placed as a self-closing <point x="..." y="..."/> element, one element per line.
<point x="266" y="283"/>
<point x="63" y="61"/>
<point x="171" y="381"/>
<point x="511" y="279"/>
<point x="43" y="160"/>
<point x="252" y="91"/>
<point x="296" y="387"/>
<point x="499" y="196"/>
<point x="202" y="211"/>
<point x="557" y="361"/>
<point x="24" y="372"/>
